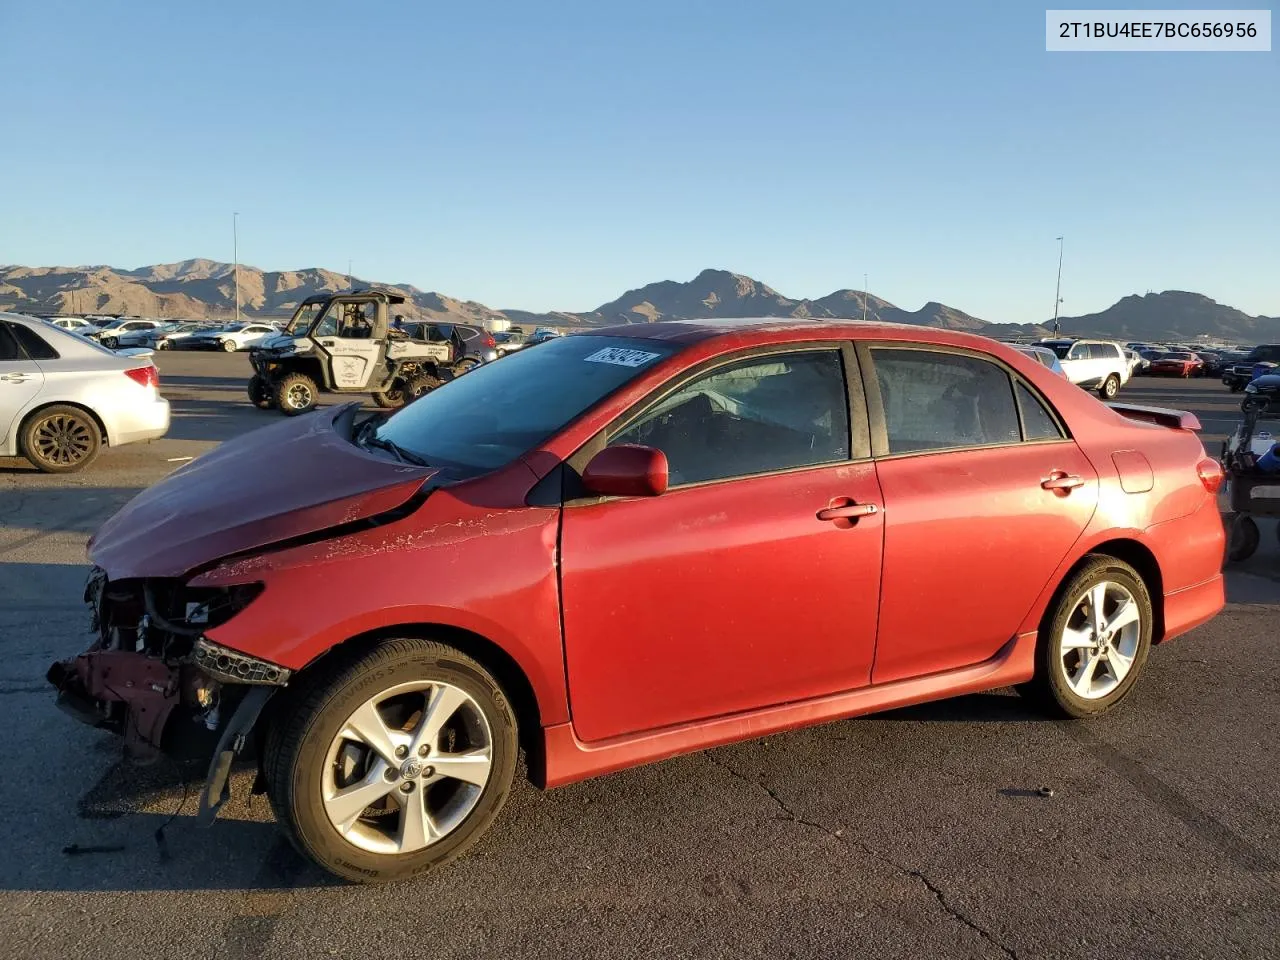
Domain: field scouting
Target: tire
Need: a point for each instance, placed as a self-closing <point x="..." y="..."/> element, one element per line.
<point x="163" y="345"/>
<point x="465" y="365"/>
<point x="1110" y="387"/>
<point x="296" y="393"/>
<point x="391" y="398"/>
<point x="229" y="346"/>
<point x="1063" y="659"/>
<point x="1237" y="387"/>
<point x="260" y="393"/>
<point x="311" y="751"/>
<point x="419" y="386"/>
<point x="60" y="439"/>
<point x="1243" y="537"/>
<point x="111" y="343"/>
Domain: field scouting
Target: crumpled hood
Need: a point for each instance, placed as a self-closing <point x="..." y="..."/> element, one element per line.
<point x="293" y="478"/>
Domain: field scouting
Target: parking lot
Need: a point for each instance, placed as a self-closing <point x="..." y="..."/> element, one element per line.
<point x="926" y="832"/>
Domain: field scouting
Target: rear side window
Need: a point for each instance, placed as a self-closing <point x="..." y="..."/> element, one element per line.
<point x="940" y="401"/>
<point x="1037" y="422"/>
<point x="9" y="349"/>
<point x="1102" y="351"/>
<point x="36" y="346"/>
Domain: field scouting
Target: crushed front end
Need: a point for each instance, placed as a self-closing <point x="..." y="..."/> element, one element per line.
<point x="151" y="676"/>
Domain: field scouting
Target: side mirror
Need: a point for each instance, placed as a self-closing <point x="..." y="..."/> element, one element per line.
<point x="627" y="470"/>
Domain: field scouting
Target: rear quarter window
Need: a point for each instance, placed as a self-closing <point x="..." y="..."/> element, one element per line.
<point x="36" y="346"/>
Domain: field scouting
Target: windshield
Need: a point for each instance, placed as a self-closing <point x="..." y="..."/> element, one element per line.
<point x="303" y="319"/>
<point x="498" y="411"/>
<point x="1060" y="349"/>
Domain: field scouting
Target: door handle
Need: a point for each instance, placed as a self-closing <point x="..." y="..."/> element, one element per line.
<point x="15" y="377"/>
<point x="1060" y="482"/>
<point x="848" y="511"/>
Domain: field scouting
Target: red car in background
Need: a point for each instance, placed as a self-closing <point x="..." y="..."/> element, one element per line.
<point x="1176" y="365"/>
<point x="630" y="544"/>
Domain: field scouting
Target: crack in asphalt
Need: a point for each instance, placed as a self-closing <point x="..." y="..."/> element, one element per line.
<point x="847" y="842"/>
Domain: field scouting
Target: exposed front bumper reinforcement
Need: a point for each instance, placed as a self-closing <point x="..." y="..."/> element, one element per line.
<point x="216" y="791"/>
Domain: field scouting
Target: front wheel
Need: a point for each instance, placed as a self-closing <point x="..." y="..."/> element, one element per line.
<point x="1095" y="641"/>
<point x="419" y="386"/>
<point x="391" y="398"/>
<point x="110" y="342"/>
<point x="163" y="345"/>
<point x="229" y="346"/>
<point x="386" y="766"/>
<point x="1110" y="387"/>
<point x="296" y="393"/>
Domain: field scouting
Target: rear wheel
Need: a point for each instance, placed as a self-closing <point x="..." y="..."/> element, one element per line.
<point x="1110" y="387"/>
<point x="163" y="345"/>
<point x="392" y="397"/>
<point x="465" y="365"/>
<point x="260" y="394"/>
<point x="1243" y="537"/>
<point x="1094" y="644"/>
<point x="296" y="393"/>
<point x="392" y="764"/>
<point x="61" y="439"/>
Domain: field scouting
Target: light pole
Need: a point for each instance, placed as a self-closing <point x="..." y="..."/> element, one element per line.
<point x="1057" y="292"/>
<point x="864" y="298"/>
<point x="235" y="248"/>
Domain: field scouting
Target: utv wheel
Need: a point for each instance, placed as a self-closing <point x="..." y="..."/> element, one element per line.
<point x="390" y="398"/>
<point x="465" y="365"/>
<point x="1110" y="387"/>
<point x="392" y="764"/>
<point x="1243" y="537"/>
<point x="296" y="393"/>
<point x="260" y="394"/>
<point x="110" y="342"/>
<point x="228" y="345"/>
<point x="1094" y="642"/>
<point x="419" y="386"/>
<point x="60" y="439"/>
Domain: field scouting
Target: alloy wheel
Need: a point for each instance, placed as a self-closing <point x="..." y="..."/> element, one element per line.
<point x="299" y="396"/>
<point x="63" y="440"/>
<point x="1100" y="640"/>
<point x="407" y="767"/>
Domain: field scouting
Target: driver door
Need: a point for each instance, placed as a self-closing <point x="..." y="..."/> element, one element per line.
<point x="734" y="590"/>
<point x="352" y="335"/>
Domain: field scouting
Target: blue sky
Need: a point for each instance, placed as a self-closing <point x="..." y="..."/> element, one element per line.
<point x="553" y="155"/>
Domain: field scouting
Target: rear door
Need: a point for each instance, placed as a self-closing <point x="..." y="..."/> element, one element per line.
<point x="20" y="380"/>
<point x="736" y="589"/>
<point x="984" y="495"/>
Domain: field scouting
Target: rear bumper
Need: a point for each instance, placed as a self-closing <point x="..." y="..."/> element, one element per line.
<point x="1186" y="609"/>
<point x="146" y="421"/>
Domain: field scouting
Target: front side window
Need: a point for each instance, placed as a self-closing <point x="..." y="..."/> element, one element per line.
<point x="756" y="416"/>
<point x="938" y="401"/>
<point x="1079" y="351"/>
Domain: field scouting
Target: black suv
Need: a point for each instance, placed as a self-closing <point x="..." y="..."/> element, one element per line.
<point x="1240" y="373"/>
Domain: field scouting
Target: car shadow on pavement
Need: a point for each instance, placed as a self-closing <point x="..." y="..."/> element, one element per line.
<point x="1001" y="706"/>
<point x="29" y="512"/>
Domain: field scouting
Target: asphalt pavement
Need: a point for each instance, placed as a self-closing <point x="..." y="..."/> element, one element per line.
<point x="968" y="828"/>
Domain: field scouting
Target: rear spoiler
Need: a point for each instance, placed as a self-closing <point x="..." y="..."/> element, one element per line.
<point x="1160" y="416"/>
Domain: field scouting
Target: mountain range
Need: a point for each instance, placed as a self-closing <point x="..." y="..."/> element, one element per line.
<point x="206" y="288"/>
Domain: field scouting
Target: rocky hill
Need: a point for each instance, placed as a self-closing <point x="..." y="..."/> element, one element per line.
<point x="206" y="288"/>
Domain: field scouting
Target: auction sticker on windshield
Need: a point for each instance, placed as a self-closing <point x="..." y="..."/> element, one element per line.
<point x="621" y="357"/>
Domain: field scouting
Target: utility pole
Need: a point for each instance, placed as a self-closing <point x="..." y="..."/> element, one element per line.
<point x="235" y="247"/>
<point x="1057" y="293"/>
<point x="864" y="298"/>
<point x="350" y="282"/>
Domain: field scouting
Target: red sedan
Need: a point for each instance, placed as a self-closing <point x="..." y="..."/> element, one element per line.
<point x="1176" y="365"/>
<point x="630" y="544"/>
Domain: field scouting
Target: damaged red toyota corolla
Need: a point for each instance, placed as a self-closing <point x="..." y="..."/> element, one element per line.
<point x="616" y="547"/>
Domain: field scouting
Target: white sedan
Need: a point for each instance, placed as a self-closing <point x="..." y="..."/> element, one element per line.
<point x="126" y="333"/>
<point x="63" y="398"/>
<point x="73" y="324"/>
<point x="233" y="337"/>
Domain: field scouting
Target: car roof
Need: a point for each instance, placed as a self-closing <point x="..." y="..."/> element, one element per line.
<point x="749" y="331"/>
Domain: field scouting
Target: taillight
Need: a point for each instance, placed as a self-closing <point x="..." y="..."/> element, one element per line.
<point x="145" y="376"/>
<point x="1210" y="473"/>
<point x="489" y="341"/>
